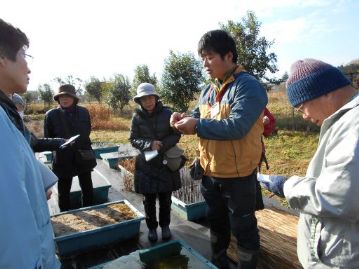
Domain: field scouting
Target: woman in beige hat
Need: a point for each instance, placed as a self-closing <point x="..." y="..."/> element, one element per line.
<point x="151" y="132"/>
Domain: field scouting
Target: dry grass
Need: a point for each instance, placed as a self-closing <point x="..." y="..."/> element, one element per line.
<point x="289" y="152"/>
<point x="128" y="164"/>
<point x="190" y="144"/>
<point x="285" y="114"/>
<point x="278" y="231"/>
<point x="110" y="136"/>
<point x="36" y="127"/>
<point x="102" y="118"/>
<point x="128" y="184"/>
<point x="37" y="108"/>
<point x="90" y="219"/>
<point x="128" y="179"/>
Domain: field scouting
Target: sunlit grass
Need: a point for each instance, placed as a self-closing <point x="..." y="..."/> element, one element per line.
<point x="117" y="137"/>
<point x="289" y="152"/>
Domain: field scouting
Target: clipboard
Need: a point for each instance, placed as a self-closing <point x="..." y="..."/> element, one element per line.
<point x="69" y="141"/>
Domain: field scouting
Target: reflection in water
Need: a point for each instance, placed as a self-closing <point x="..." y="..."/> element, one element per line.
<point x="170" y="257"/>
<point x="173" y="262"/>
<point x="183" y="260"/>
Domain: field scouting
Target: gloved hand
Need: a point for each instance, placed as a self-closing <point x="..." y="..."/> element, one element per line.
<point x="273" y="183"/>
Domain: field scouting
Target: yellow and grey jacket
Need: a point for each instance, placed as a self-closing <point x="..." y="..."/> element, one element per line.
<point x="231" y="126"/>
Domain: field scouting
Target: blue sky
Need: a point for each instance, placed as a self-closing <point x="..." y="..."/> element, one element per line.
<point x="87" y="38"/>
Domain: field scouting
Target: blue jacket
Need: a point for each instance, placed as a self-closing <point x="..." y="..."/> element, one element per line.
<point x="230" y="141"/>
<point x="26" y="235"/>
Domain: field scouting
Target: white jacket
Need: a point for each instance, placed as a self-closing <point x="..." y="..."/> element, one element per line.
<point x="26" y="236"/>
<point x="328" y="196"/>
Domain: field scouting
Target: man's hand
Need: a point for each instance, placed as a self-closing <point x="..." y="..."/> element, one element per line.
<point x="186" y="125"/>
<point x="156" y="145"/>
<point x="273" y="183"/>
<point x="175" y="117"/>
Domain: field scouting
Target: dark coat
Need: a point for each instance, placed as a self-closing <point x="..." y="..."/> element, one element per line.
<point x="37" y="144"/>
<point x="153" y="176"/>
<point x="67" y="162"/>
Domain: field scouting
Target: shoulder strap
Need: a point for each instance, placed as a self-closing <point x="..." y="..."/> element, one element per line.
<point x="263" y="158"/>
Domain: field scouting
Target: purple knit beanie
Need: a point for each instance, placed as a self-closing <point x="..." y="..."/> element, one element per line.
<point x="312" y="78"/>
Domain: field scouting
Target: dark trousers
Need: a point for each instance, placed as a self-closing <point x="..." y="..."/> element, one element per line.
<point x="165" y="202"/>
<point x="231" y="206"/>
<point x="64" y="187"/>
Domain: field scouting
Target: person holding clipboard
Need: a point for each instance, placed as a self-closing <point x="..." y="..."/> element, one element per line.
<point x="69" y="120"/>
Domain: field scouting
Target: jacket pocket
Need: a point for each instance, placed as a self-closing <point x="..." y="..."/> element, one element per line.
<point x="336" y="244"/>
<point x="315" y="229"/>
<point x="39" y="264"/>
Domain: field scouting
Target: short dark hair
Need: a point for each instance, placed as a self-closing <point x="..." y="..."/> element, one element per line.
<point x="12" y="39"/>
<point x="218" y="41"/>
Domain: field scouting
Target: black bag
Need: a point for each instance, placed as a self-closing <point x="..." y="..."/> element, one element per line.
<point x="85" y="157"/>
<point x="174" y="158"/>
<point x="87" y="154"/>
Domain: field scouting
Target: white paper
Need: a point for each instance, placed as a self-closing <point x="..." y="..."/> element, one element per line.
<point x="48" y="177"/>
<point x="149" y="155"/>
<point x="69" y="141"/>
<point x="214" y="110"/>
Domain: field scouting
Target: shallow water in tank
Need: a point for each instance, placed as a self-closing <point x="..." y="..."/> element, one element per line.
<point x="184" y="260"/>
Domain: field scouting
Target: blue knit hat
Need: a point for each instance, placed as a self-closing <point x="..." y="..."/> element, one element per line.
<point x="312" y="78"/>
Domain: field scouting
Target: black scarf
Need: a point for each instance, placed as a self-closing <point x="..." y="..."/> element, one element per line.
<point x="10" y="109"/>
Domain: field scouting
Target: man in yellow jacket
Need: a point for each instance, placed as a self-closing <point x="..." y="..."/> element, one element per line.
<point x="229" y="122"/>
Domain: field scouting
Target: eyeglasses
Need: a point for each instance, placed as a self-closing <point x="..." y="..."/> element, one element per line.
<point x="29" y="58"/>
<point x="299" y="109"/>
